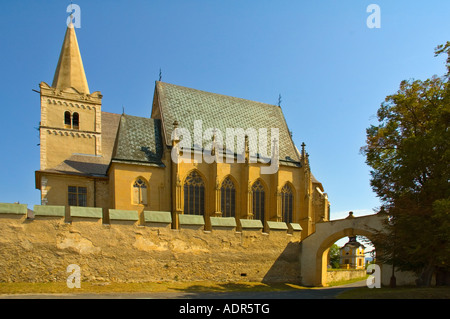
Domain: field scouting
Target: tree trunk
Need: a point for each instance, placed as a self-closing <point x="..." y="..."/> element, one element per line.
<point x="442" y="277"/>
<point x="425" y="277"/>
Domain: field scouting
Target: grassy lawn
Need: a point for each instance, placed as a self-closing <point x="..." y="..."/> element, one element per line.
<point x="345" y="282"/>
<point x="397" y="293"/>
<point x="199" y="287"/>
<point x="88" y="287"/>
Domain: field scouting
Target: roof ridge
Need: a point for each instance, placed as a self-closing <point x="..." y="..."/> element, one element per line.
<point x="139" y="117"/>
<point x="218" y="94"/>
<point x="110" y="113"/>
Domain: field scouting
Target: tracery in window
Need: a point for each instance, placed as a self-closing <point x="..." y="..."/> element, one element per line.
<point x="228" y="198"/>
<point x="194" y="194"/>
<point x="258" y="196"/>
<point x="287" y="201"/>
<point x="140" y="192"/>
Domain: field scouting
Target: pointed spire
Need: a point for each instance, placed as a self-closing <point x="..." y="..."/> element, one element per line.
<point x="304" y="157"/>
<point x="246" y="149"/>
<point x="70" y="70"/>
<point x="303" y="151"/>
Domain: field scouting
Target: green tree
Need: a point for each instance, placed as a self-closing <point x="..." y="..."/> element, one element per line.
<point x="334" y="256"/>
<point x="409" y="154"/>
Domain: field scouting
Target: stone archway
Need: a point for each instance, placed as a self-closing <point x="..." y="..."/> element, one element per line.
<point x="314" y="248"/>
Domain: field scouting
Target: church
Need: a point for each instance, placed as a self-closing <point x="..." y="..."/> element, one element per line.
<point x="93" y="158"/>
<point x="352" y="254"/>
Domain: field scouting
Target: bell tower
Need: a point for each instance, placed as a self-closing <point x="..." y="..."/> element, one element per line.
<point x="70" y="114"/>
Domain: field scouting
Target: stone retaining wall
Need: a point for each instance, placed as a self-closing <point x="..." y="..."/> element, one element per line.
<point x="40" y="249"/>
<point x="341" y="275"/>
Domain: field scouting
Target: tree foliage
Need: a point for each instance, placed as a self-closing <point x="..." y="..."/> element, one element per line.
<point x="409" y="154"/>
<point x="334" y="256"/>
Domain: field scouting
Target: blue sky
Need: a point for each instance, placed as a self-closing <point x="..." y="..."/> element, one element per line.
<point x="331" y="70"/>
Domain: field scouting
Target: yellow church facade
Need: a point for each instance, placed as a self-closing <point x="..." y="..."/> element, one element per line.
<point x="94" y="158"/>
<point x="352" y="255"/>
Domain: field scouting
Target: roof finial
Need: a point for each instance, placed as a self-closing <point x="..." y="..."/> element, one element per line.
<point x="175" y="137"/>
<point x="214" y="145"/>
<point x="160" y="75"/>
<point x="70" y="24"/>
<point x="246" y="149"/>
<point x="279" y="100"/>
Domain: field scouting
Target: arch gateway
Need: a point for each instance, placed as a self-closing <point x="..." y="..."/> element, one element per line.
<point x="314" y="249"/>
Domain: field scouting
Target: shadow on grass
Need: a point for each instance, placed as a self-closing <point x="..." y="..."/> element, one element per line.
<point x="237" y="287"/>
<point x="407" y="292"/>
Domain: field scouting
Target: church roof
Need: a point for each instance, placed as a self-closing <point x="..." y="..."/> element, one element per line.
<point x="216" y="111"/>
<point x="70" y="71"/>
<point x="138" y="140"/>
<point x="353" y="243"/>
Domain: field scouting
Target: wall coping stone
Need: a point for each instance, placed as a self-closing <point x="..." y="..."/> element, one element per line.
<point x="251" y="224"/>
<point x="295" y="227"/>
<point x="277" y="225"/>
<point x="120" y="214"/>
<point x="223" y="221"/>
<point x="18" y="209"/>
<point x="185" y="219"/>
<point x="87" y="212"/>
<point x="157" y="217"/>
<point x="49" y="210"/>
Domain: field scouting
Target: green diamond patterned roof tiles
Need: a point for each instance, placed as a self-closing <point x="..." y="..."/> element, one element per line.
<point x="139" y="140"/>
<point x="216" y="111"/>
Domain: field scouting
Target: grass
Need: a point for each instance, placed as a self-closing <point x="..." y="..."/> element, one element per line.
<point x="397" y="293"/>
<point x="345" y="282"/>
<point x="200" y="287"/>
<point x="89" y="287"/>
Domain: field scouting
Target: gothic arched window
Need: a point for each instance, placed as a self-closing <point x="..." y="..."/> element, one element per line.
<point x="287" y="201"/>
<point x="228" y="198"/>
<point x="258" y="196"/>
<point x="140" y="192"/>
<point x="194" y="194"/>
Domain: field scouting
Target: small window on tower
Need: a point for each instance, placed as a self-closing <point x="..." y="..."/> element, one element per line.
<point x="75" y="121"/>
<point x="67" y="120"/>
